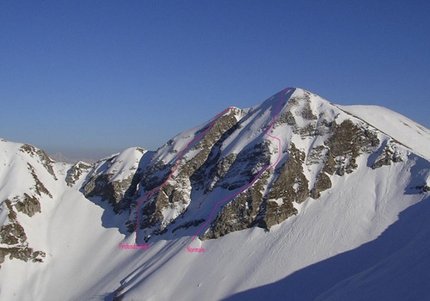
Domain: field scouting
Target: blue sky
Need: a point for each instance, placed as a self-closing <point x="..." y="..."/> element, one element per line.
<point x="90" y="78"/>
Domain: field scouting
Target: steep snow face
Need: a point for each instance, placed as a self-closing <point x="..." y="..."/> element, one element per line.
<point x="121" y="165"/>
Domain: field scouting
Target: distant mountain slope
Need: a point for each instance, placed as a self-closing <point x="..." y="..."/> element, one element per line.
<point x="293" y="199"/>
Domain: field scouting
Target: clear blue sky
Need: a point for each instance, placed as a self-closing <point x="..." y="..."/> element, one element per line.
<point x="90" y="78"/>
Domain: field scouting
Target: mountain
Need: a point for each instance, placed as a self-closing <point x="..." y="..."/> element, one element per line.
<point x="293" y="199"/>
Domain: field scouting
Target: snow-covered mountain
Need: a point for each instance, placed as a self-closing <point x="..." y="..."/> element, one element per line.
<point x="293" y="199"/>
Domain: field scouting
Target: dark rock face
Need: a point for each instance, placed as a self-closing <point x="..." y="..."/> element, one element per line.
<point x="276" y="214"/>
<point x="41" y="156"/>
<point x="306" y="112"/>
<point x="102" y="186"/>
<point x="22" y="253"/>
<point x="345" y="145"/>
<point x="317" y="155"/>
<point x="102" y="180"/>
<point x="29" y="205"/>
<point x="13" y="235"/>
<point x="155" y="175"/>
<point x="243" y="168"/>
<point x="39" y="187"/>
<point x="76" y="172"/>
<point x="255" y="207"/>
<point x="240" y="213"/>
<point x="151" y="213"/>
<point x="286" y="118"/>
<point x="323" y="183"/>
<point x="291" y="184"/>
<point x="387" y="156"/>
<point x="191" y="172"/>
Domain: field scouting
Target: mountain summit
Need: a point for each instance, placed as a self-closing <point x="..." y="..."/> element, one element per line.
<point x="254" y="167"/>
<point x="256" y="196"/>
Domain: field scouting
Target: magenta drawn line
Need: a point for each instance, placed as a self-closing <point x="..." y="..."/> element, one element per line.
<point x="175" y="167"/>
<point x="258" y="174"/>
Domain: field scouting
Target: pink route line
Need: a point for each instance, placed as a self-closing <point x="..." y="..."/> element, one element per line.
<point x="175" y="167"/>
<point x="258" y="174"/>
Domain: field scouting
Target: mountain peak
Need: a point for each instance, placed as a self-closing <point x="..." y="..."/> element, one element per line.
<point x="294" y="142"/>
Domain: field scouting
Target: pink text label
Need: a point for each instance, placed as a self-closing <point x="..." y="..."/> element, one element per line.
<point x="199" y="250"/>
<point x="134" y="246"/>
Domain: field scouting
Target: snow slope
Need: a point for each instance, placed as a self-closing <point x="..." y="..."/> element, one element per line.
<point x="401" y="128"/>
<point x="340" y="221"/>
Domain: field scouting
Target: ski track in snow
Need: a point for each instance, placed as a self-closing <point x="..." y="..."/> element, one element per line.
<point x="175" y="167"/>
<point x="259" y="173"/>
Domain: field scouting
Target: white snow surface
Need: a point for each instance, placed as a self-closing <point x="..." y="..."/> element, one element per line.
<point x="119" y="165"/>
<point x="366" y="238"/>
<point x="401" y="128"/>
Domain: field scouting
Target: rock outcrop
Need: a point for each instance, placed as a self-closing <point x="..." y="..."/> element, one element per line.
<point x="13" y="236"/>
<point x="113" y="179"/>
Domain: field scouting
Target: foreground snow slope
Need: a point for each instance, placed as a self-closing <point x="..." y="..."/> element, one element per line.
<point x="325" y="241"/>
<point x="339" y="222"/>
